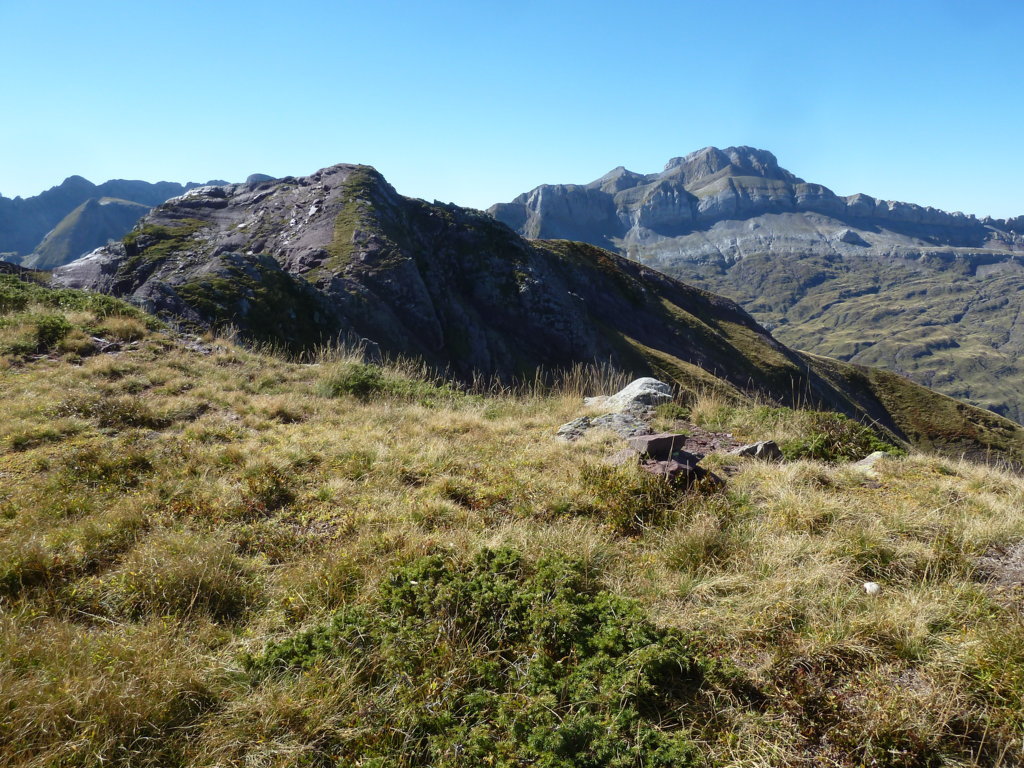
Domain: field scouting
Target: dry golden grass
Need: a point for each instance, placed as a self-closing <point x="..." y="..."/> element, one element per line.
<point x="165" y="512"/>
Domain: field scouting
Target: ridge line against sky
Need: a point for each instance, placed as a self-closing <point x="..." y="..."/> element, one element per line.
<point x="475" y="103"/>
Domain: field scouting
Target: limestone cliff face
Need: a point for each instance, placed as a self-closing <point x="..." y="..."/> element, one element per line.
<point x="695" y="193"/>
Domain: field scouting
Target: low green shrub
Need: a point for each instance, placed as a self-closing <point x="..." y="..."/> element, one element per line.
<point x="49" y="330"/>
<point x="834" y="437"/>
<point x="17" y="294"/>
<point x="12" y="298"/>
<point x="366" y="381"/>
<point x="501" y="662"/>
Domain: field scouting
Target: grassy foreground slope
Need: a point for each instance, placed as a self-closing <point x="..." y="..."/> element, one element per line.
<point x="211" y="556"/>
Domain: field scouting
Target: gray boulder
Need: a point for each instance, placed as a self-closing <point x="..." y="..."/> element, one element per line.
<point x="665" y="445"/>
<point x="850" y="237"/>
<point x="625" y="425"/>
<point x="637" y="395"/>
<point x="766" y="450"/>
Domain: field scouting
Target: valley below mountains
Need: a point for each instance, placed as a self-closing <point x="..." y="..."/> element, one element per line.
<point x="931" y="295"/>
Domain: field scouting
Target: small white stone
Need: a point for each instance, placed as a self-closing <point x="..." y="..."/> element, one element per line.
<point x="872" y="587"/>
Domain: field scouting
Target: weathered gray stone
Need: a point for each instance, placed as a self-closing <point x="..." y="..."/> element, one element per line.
<point x="872" y="459"/>
<point x="869" y="461"/>
<point x="850" y="237"/>
<point x="575" y="429"/>
<point x="641" y="393"/>
<point x="623" y="424"/>
<point x="766" y="450"/>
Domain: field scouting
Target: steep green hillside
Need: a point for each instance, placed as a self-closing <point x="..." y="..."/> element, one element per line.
<point x="212" y="556"/>
<point x="951" y="325"/>
<point x="90" y="225"/>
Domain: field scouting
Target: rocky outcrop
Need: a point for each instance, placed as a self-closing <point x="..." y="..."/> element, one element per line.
<point x="640" y="394"/>
<point x="766" y="450"/>
<point x="623" y="424"/>
<point x="301" y="261"/>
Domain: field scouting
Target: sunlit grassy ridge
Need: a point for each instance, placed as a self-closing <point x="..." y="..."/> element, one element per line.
<point x="218" y="557"/>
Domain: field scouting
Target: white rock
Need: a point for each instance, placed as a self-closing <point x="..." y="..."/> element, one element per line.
<point x="639" y="393"/>
<point x="872" y="587"/>
<point x="871" y="459"/>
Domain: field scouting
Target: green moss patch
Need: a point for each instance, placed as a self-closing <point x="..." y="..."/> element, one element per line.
<point x="356" y="202"/>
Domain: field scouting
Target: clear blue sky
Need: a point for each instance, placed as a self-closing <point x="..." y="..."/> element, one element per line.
<point x="474" y="102"/>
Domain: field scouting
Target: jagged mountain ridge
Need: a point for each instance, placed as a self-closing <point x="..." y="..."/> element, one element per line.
<point x="302" y="261"/>
<point x="695" y="192"/>
<point x="25" y="222"/>
<point x="925" y="293"/>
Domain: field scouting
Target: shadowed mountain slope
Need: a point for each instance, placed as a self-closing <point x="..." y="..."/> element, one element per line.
<point x="929" y="294"/>
<point x="25" y="222"/>
<point x="304" y="261"/>
<point x="90" y="225"/>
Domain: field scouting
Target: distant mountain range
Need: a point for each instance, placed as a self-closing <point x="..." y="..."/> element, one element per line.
<point x="73" y="218"/>
<point x="934" y="295"/>
<point x="303" y="261"/>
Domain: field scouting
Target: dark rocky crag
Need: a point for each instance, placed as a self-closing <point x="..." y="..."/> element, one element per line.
<point x="26" y="222"/>
<point x="303" y="261"/>
<point x="933" y="295"/>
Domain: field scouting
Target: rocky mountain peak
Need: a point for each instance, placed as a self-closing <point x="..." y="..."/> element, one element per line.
<point x="740" y="161"/>
<point x="801" y="258"/>
<point x="616" y="180"/>
<point x="76" y="182"/>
